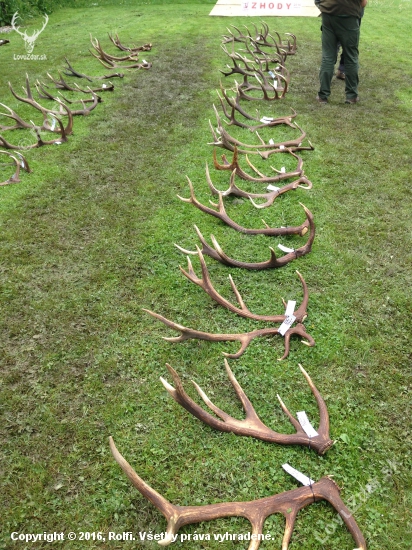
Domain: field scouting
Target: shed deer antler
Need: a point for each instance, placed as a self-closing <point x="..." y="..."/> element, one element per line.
<point x="217" y="253"/>
<point x="234" y="165"/>
<point x="252" y="426"/>
<point x="20" y="163"/>
<point x="244" y="338"/>
<point x="269" y="197"/>
<point x="222" y="215"/>
<point x="288" y="503"/>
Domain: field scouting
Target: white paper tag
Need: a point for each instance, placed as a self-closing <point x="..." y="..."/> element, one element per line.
<point x="285" y="248"/>
<point x="283" y="170"/>
<point x="281" y="146"/>
<point x="305" y="480"/>
<point x="266" y="119"/>
<point x="275" y="84"/>
<point x="57" y="142"/>
<point x="144" y="61"/>
<point x="272" y="74"/>
<point x="306" y="425"/>
<point x="290" y="307"/>
<point x="287" y="323"/>
<point x="271" y="142"/>
<point x="104" y="86"/>
<point x="272" y="188"/>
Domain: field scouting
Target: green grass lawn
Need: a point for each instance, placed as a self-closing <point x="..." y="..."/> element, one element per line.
<point x="87" y="242"/>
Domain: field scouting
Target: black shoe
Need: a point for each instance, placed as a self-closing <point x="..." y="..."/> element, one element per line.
<point x="352" y="100"/>
<point x="321" y="100"/>
<point x="340" y="75"/>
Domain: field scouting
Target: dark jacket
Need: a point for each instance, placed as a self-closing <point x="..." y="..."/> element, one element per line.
<point x="340" y="7"/>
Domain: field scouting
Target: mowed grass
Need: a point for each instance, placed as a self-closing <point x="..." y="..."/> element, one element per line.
<point x="87" y="242"/>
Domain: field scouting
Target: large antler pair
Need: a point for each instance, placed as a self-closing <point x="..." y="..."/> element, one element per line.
<point x="299" y="315"/>
<point x="288" y="504"/>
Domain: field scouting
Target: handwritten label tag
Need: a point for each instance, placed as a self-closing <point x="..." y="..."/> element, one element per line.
<point x="272" y="188"/>
<point x="287" y="323"/>
<point x="281" y="146"/>
<point x="306" y="425"/>
<point x="266" y="119"/>
<point x="271" y="142"/>
<point x="305" y="480"/>
<point x="283" y="170"/>
<point x="285" y="248"/>
<point x="290" y="318"/>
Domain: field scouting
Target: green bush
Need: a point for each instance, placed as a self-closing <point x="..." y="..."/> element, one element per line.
<point x="27" y="8"/>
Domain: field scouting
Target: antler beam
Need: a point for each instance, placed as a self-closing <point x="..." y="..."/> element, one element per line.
<point x="288" y="504"/>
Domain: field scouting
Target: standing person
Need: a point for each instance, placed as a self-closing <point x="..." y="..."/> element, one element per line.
<point x="340" y="24"/>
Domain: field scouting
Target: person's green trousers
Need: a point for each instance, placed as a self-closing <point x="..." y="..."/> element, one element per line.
<point x="344" y="30"/>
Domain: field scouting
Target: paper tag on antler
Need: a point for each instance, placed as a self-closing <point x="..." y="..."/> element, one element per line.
<point x="271" y="142"/>
<point x="306" y="425"/>
<point x="266" y="119"/>
<point x="290" y="318"/>
<point x="283" y="170"/>
<point x="272" y="188"/>
<point x="305" y="480"/>
<point x="285" y="248"/>
<point x="281" y="146"/>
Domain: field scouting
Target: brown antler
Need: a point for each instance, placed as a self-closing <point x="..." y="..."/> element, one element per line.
<point x="244" y="338"/>
<point x="70" y="71"/>
<point x="269" y="197"/>
<point x="252" y="426"/>
<point x="265" y="122"/>
<point x="118" y="44"/>
<point x="217" y="253"/>
<point x="61" y="84"/>
<point x="234" y="165"/>
<point x="20" y="163"/>
<point x="94" y="101"/>
<point x="223" y="139"/>
<point x="222" y="215"/>
<point x="288" y="504"/>
<point x="206" y="284"/>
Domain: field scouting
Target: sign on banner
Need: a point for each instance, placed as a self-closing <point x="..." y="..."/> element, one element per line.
<point x="277" y="8"/>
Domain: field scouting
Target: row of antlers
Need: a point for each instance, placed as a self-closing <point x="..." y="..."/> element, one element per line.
<point x="53" y="122"/>
<point x="291" y="502"/>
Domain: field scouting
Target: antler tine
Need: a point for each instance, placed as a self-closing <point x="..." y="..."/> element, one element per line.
<point x="301" y="313"/>
<point x="169" y="511"/>
<point x="180" y="396"/>
<point x="323" y="411"/>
